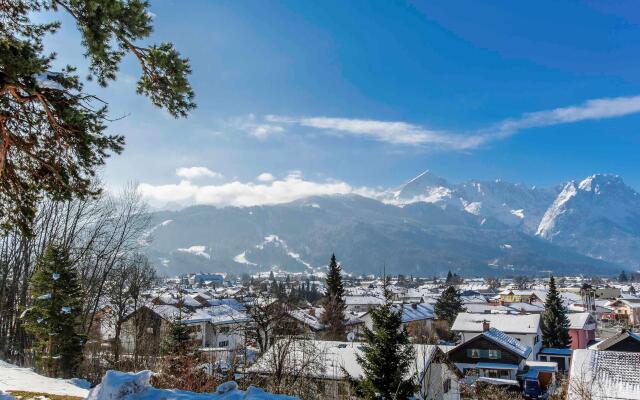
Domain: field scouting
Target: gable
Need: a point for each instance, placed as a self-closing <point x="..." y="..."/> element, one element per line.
<point x="463" y="353"/>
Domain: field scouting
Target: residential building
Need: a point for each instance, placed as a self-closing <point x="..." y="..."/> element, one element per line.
<point x="626" y="341"/>
<point x="582" y="330"/>
<point x="604" y="375"/>
<point x="335" y="363"/>
<point x="522" y="327"/>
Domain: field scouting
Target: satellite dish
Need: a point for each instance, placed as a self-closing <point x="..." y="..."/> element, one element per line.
<point x="351" y="336"/>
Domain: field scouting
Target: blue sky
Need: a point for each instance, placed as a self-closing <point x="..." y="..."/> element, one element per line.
<point x="338" y="96"/>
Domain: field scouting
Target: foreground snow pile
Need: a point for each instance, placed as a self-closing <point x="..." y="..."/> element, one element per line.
<point x="13" y="377"/>
<point x="135" y="386"/>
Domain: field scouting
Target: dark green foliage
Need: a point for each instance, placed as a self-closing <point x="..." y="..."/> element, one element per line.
<point x="52" y="134"/>
<point x="555" y="323"/>
<point x="386" y="358"/>
<point x="622" y="278"/>
<point x="449" y="304"/>
<point x="53" y="317"/>
<point x="334" y="305"/>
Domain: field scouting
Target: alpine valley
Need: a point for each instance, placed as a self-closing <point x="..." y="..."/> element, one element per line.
<point x="425" y="227"/>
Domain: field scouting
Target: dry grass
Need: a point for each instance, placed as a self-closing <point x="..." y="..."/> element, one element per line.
<point x="22" y="395"/>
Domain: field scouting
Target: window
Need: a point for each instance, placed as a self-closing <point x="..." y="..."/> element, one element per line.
<point x="535" y="339"/>
<point x="473" y="353"/>
<point x="150" y="330"/>
<point x="223" y="329"/>
<point x="446" y="386"/>
<point x="224" y="343"/>
<point x="494" y="354"/>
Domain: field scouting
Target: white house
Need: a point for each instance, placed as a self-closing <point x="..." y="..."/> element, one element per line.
<point x="334" y="363"/>
<point x="219" y="326"/>
<point x="523" y="327"/>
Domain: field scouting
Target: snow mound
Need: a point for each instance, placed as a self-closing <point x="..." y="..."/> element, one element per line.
<point x="117" y="385"/>
<point x="17" y="378"/>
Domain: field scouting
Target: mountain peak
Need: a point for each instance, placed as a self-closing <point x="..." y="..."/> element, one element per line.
<point x="421" y="184"/>
<point x="597" y="181"/>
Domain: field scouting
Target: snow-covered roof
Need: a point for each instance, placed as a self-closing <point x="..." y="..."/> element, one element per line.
<point x="507" y="342"/>
<point x="415" y="312"/>
<point x="488" y="308"/>
<point x="330" y="359"/>
<point x="306" y="318"/>
<point x="604" y="375"/>
<point x="607" y="343"/>
<point x="580" y="320"/>
<point x="363" y="300"/>
<point x="508" y="323"/>
<point x="217" y="315"/>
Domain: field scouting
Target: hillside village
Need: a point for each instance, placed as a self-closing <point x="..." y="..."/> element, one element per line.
<point x="264" y="328"/>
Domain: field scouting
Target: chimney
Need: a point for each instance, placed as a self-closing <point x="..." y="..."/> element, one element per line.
<point x="485" y="325"/>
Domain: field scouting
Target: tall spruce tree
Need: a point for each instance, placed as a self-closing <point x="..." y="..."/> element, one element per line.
<point x="53" y="317"/>
<point x="334" y="304"/>
<point x="387" y="354"/>
<point x="449" y="304"/>
<point x="555" y="323"/>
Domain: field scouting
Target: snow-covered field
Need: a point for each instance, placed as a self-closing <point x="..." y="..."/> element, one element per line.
<point x="24" y="379"/>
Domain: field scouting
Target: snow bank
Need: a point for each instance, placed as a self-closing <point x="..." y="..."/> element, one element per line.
<point x="13" y="377"/>
<point x="135" y="386"/>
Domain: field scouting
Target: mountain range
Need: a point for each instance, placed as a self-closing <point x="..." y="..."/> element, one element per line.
<point x="425" y="227"/>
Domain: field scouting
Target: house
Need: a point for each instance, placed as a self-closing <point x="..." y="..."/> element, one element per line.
<point x="143" y="330"/>
<point x="416" y="317"/>
<point x="522" y="327"/>
<point x="493" y="357"/>
<point x="625" y="310"/>
<point x="624" y="341"/>
<point x="582" y="329"/>
<point x="600" y="375"/>
<point x="490" y="354"/>
<point x="218" y="326"/>
<point x="334" y="364"/>
<point x="518" y="296"/>
<point x="307" y="320"/>
<point x="362" y="304"/>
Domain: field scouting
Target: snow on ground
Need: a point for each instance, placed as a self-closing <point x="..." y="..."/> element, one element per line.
<point x="242" y="259"/>
<point x="135" y="386"/>
<point x="13" y="377"/>
<point x="196" y="251"/>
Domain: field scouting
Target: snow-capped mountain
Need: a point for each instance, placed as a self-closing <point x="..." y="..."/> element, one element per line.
<point x="424" y="227"/>
<point x="598" y="216"/>
<point x="513" y="204"/>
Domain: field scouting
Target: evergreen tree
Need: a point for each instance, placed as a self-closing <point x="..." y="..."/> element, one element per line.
<point x="449" y="277"/>
<point x="622" y="278"/>
<point x="387" y="354"/>
<point x="334" y="305"/>
<point x="449" y="304"/>
<point x="53" y="318"/>
<point x="182" y="364"/>
<point x="555" y="323"/>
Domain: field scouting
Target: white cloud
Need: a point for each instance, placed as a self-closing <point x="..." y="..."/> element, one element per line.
<point x="266" y="177"/>
<point x="259" y="129"/>
<point x="241" y="194"/>
<point x="190" y="173"/>
<point x="405" y="133"/>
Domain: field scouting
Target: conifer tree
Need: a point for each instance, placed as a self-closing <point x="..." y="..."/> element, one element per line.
<point x="334" y="304"/>
<point x="386" y="357"/>
<point x="182" y="364"/>
<point x="449" y="304"/>
<point x="622" y="278"/>
<point x="555" y="323"/>
<point x="53" y="318"/>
